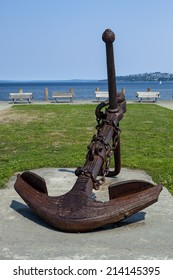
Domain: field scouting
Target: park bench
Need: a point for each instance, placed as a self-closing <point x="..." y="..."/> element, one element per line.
<point x="63" y="95"/>
<point x="149" y="95"/>
<point x="101" y="94"/>
<point x="20" y="96"/>
<point x="104" y="94"/>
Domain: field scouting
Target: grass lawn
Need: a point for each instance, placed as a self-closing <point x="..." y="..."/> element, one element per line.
<point x="35" y="136"/>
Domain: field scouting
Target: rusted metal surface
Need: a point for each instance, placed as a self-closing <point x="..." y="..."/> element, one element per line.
<point x="77" y="211"/>
<point x="109" y="37"/>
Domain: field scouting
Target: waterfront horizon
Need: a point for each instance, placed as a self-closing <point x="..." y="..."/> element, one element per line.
<point x="84" y="89"/>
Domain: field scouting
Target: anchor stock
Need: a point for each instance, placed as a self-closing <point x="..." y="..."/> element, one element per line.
<point x="77" y="211"/>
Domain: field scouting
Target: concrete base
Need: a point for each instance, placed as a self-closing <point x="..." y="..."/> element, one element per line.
<point x="145" y="235"/>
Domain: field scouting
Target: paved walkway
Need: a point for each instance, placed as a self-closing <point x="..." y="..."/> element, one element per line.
<point x="163" y="103"/>
<point x="166" y="104"/>
<point x="4" y="105"/>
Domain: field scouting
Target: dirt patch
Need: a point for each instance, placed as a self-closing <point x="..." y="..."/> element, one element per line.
<point x="8" y="116"/>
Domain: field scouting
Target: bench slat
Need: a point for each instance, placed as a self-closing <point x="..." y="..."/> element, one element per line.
<point x="57" y="95"/>
<point x="148" y="95"/>
<point x="20" y="96"/>
<point x="101" y="94"/>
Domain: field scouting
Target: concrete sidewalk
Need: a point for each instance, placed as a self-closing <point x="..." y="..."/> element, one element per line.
<point x="145" y="235"/>
<point x="166" y="104"/>
<point x="6" y="105"/>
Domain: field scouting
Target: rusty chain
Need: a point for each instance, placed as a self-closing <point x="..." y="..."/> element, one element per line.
<point x="95" y="147"/>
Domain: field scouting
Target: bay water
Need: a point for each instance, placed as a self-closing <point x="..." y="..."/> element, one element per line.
<point x="84" y="90"/>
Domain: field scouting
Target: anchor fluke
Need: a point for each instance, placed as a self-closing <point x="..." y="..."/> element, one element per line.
<point x="35" y="181"/>
<point x="76" y="212"/>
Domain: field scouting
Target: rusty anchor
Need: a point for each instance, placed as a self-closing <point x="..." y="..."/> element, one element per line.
<point x="77" y="210"/>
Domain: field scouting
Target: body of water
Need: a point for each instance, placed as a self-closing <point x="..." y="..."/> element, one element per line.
<point x="84" y="90"/>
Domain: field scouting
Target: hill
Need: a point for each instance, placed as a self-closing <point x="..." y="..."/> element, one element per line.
<point x="155" y="76"/>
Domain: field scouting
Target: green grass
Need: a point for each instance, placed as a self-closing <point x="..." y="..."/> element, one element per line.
<point x="147" y="142"/>
<point x="35" y="136"/>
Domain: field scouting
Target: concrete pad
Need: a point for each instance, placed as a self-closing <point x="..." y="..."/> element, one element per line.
<point x="145" y="235"/>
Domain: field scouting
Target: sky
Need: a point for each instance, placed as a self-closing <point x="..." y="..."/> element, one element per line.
<point x="62" y="39"/>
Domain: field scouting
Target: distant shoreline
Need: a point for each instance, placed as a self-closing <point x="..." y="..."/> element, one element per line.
<point x="145" y="77"/>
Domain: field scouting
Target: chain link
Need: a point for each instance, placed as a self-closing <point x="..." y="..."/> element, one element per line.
<point x="96" y="182"/>
<point x="95" y="148"/>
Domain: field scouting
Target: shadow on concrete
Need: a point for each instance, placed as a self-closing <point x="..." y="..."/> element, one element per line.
<point x="134" y="219"/>
<point x="66" y="170"/>
<point x="26" y="212"/>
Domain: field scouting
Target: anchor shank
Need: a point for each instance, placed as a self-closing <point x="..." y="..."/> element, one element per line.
<point x="109" y="37"/>
<point x="95" y="165"/>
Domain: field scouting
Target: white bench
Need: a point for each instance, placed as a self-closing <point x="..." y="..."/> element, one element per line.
<point x="101" y="94"/>
<point x="63" y="95"/>
<point x="20" y="96"/>
<point x="148" y="95"/>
